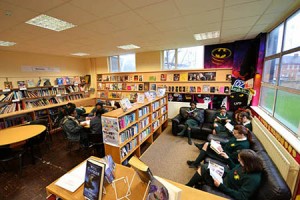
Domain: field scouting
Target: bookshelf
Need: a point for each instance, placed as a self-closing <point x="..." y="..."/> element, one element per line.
<point x="116" y="86"/>
<point x="133" y="131"/>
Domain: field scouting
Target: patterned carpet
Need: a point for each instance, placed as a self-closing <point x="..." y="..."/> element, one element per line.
<point x="167" y="157"/>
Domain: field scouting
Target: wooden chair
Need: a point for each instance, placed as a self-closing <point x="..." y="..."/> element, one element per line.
<point x="7" y="154"/>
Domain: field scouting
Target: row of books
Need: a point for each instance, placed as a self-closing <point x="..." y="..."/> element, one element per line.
<point x="163" y="109"/>
<point x="143" y="123"/>
<point x="155" y="105"/>
<point x="128" y="133"/>
<point x="144" y="134"/>
<point x="127" y="119"/>
<point x="13" y="121"/>
<point x="198" y="89"/>
<point x="8" y="108"/>
<point x="143" y="111"/>
<point x="155" y="115"/>
<point x="155" y="124"/>
<point x="163" y="101"/>
<point x="128" y="147"/>
<point x="164" y="117"/>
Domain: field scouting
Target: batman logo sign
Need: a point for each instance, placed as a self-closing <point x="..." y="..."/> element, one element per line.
<point x="221" y="53"/>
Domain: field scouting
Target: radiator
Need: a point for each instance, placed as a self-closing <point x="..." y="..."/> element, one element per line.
<point x="286" y="164"/>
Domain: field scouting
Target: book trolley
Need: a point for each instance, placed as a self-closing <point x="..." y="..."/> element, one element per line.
<point x="131" y="132"/>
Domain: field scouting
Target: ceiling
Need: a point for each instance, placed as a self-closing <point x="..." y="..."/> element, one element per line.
<point x="102" y="25"/>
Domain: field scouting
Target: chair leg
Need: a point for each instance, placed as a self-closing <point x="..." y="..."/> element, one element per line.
<point x="20" y="165"/>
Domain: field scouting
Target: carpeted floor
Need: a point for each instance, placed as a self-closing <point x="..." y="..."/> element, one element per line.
<point x="167" y="157"/>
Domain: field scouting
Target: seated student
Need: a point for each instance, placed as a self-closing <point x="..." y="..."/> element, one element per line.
<point x="95" y="123"/>
<point x="80" y="110"/>
<point x="193" y="118"/>
<point x="73" y="129"/>
<point x="246" y="120"/>
<point x="221" y="119"/>
<point x="116" y="105"/>
<point x="241" y="140"/>
<point x="98" y="106"/>
<point x="240" y="182"/>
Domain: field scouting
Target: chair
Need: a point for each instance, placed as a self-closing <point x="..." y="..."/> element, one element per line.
<point x="96" y="144"/>
<point x="70" y="142"/>
<point x="39" y="139"/>
<point x="7" y="154"/>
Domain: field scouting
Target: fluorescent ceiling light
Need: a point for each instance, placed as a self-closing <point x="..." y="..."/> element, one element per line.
<point x="51" y="23"/>
<point x="80" y="54"/>
<point x="6" y="43"/>
<point x="129" y="46"/>
<point x="207" y="35"/>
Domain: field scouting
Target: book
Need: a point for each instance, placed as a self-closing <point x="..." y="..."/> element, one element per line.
<point x="21" y="85"/>
<point x="229" y="126"/>
<point x="87" y="79"/>
<point x="93" y="181"/>
<point x="226" y="89"/>
<point x="46" y="82"/>
<point x="161" y="92"/>
<point x="152" y="78"/>
<point x="159" y="187"/>
<point x="110" y="168"/>
<point x="30" y="83"/>
<point x="153" y="87"/>
<point x="147" y="95"/>
<point x="135" y="78"/>
<point x="140" y="77"/>
<point x="206" y="88"/>
<point x="216" y="146"/>
<point x="216" y="171"/>
<point x="176" y="77"/>
<point x="163" y="77"/>
<point x="59" y="81"/>
<point x="77" y="80"/>
<point x="8" y="85"/>
<point x="125" y="104"/>
<point x="140" y="98"/>
<point x="141" y="169"/>
<point x="184" y="77"/>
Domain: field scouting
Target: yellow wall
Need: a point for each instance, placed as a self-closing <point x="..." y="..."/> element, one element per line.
<point x="11" y="63"/>
<point x="148" y="61"/>
<point x="101" y="65"/>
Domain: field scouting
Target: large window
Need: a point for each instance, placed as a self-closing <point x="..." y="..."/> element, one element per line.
<point x="183" y="58"/>
<point x="122" y="63"/>
<point x="280" y="91"/>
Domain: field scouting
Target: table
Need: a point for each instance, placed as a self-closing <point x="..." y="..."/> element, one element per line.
<point x="20" y="133"/>
<point x="88" y="109"/>
<point x="137" y="189"/>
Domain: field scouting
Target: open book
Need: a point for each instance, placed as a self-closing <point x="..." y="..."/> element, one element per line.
<point x="159" y="188"/>
<point x="229" y="126"/>
<point x="216" y="146"/>
<point x="216" y="171"/>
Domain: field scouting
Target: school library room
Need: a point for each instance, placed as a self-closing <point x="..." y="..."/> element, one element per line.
<point x="150" y="99"/>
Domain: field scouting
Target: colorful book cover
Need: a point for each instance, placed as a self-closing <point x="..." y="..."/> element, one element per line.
<point x="170" y="77"/>
<point x="21" y="85"/>
<point x="184" y="77"/>
<point x="87" y="79"/>
<point x="8" y="85"/>
<point x="99" y="77"/>
<point x="140" y="77"/>
<point x="212" y="89"/>
<point x="77" y="80"/>
<point x="153" y="87"/>
<point x="46" y="82"/>
<point x="67" y="80"/>
<point x="30" y="83"/>
<point x="226" y="89"/>
<point x="206" y="88"/>
<point x="176" y="77"/>
<point x="199" y="89"/>
<point x="93" y="181"/>
<point x="59" y="81"/>
<point x="210" y="76"/>
<point x="163" y="77"/>
<point x="135" y="78"/>
<point x="152" y="78"/>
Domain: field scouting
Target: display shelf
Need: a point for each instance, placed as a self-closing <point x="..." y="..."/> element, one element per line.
<point x="113" y="134"/>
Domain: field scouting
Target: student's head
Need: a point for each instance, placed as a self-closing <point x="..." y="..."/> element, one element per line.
<point x="117" y="104"/>
<point x="193" y="104"/>
<point x="72" y="112"/>
<point x="99" y="112"/>
<point x="71" y="105"/>
<point x="99" y="105"/>
<point x="250" y="161"/>
<point x="223" y="110"/>
<point x="241" y="131"/>
<point x="244" y="116"/>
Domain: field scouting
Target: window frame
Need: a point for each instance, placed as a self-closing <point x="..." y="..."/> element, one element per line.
<point x="119" y="65"/>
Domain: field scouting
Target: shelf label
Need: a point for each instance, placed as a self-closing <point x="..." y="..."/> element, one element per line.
<point x="23" y="88"/>
<point x="75" y="84"/>
<point x="55" y="86"/>
<point x="58" y="95"/>
<point x="16" y="100"/>
<point x="6" y="90"/>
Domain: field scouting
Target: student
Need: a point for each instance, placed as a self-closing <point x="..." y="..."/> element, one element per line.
<point x="98" y="106"/>
<point x="95" y="123"/>
<point x="246" y="120"/>
<point x="73" y="129"/>
<point x="80" y="111"/>
<point x="193" y="119"/>
<point x="240" y="182"/>
<point x="116" y="105"/>
<point x="241" y="140"/>
<point x="221" y="119"/>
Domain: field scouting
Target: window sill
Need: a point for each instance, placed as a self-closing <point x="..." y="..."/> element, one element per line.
<point x="289" y="136"/>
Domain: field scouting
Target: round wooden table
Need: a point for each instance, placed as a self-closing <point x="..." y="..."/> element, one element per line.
<point x="88" y="109"/>
<point x="20" y="133"/>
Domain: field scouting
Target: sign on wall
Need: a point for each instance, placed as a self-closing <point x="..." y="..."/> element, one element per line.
<point x="39" y="69"/>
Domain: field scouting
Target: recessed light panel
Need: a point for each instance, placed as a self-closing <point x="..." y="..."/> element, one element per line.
<point x="129" y="46"/>
<point x="80" y="54"/>
<point x="207" y="35"/>
<point x="51" y="23"/>
<point x="6" y="43"/>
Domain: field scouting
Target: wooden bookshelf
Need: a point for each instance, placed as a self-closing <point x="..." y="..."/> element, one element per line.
<point x="133" y="131"/>
<point x="115" y="86"/>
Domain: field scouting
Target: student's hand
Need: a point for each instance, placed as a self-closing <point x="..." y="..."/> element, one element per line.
<point x="228" y="120"/>
<point x="83" y="124"/>
<point x="217" y="183"/>
<point x="224" y="155"/>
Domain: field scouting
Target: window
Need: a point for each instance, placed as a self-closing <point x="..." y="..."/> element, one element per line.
<point x="184" y="58"/>
<point x="122" y="63"/>
<point x="280" y="91"/>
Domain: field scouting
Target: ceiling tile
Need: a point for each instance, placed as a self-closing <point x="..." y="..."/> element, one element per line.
<point x="72" y="14"/>
<point x="101" y="26"/>
<point x="37" y="5"/>
<point x="212" y="16"/>
<point x="126" y="20"/>
<point x="10" y="11"/>
<point x="159" y="12"/>
<point x="171" y="24"/>
<point x="242" y="22"/>
<point x="138" y="3"/>
<point x="197" y="6"/>
<point x="235" y="31"/>
<point x="101" y="8"/>
<point x="236" y="2"/>
<point x="277" y="6"/>
<point x="206" y="28"/>
<point x="245" y="10"/>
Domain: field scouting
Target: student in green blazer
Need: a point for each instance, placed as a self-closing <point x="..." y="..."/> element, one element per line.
<point x="193" y="118"/>
<point x="240" y="182"/>
<point x="241" y="140"/>
<point x="221" y="118"/>
<point x="246" y="120"/>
